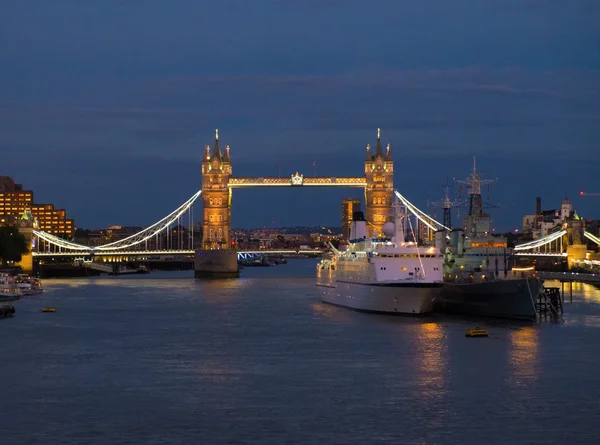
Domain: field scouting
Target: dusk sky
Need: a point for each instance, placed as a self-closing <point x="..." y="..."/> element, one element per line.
<point x="105" y="106"/>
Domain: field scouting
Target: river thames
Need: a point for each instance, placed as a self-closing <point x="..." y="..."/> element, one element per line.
<point x="166" y="359"/>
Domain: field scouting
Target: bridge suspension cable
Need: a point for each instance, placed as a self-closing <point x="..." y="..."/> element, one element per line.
<point x="151" y="231"/>
<point x="591" y="237"/>
<point x="128" y="242"/>
<point x="421" y="216"/>
<point x="59" y="242"/>
<point x="541" y="241"/>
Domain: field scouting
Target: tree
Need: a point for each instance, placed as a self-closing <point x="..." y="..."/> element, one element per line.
<point x="12" y="244"/>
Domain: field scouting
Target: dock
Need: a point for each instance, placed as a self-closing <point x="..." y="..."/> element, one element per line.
<point x="549" y="305"/>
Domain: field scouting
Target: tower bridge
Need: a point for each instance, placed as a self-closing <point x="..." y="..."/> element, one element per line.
<point x="214" y="258"/>
<point x="218" y="182"/>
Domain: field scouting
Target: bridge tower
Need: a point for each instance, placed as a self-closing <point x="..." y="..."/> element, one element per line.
<point x="27" y="224"/>
<point x="216" y="194"/>
<point x="379" y="191"/>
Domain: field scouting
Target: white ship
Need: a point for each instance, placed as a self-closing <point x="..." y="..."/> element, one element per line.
<point x="8" y="288"/>
<point x="388" y="275"/>
<point x="28" y="285"/>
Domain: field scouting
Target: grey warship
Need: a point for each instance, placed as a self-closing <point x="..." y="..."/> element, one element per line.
<point x="476" y="276"/>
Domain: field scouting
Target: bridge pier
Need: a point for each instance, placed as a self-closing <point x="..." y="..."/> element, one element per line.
<point x="217" y="263"/>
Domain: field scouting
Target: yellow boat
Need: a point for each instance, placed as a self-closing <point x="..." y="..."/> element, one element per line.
<point x="476" y="333"/>
<point x="49" y="309"/>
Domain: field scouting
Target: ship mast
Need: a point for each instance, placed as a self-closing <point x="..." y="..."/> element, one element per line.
<point x="447" y="204"/>
<point x="476" y="221"/>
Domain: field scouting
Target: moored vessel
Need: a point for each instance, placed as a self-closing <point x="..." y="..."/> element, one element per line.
<point x="28" y="285"/>
<point x="477" y="279"/>
<point x="385" y="275"/>
<point x="8" y="288"/>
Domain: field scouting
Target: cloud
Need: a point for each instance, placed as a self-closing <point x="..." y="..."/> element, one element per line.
<point x="444" y="112"/>
<point x="557" y="83"/>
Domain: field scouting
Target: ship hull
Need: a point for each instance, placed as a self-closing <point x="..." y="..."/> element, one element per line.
<point x="510" y="299"/>
<point x="389" y="298"/>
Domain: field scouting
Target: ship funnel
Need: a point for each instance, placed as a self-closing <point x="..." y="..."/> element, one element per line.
<point x="358" y="229"/>
<point x="457" y="237"/>
<point x="400" y="221"/>
<point x="440" y="240"/>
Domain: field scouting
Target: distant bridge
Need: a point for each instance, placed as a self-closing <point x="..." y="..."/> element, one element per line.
<point x="570" y="276"/>
<point x="552" y="245"/>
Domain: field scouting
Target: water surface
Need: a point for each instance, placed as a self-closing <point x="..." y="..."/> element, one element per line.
<point x="166" y="359"/>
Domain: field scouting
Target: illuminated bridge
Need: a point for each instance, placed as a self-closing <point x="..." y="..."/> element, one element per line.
<point x="173" y="235"/>
<point x="567" y="242"/>
<point x="166" y="238"/>
<point x="145" y="243"/>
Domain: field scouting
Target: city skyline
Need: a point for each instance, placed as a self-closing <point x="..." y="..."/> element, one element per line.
<point x="107" y="117"/>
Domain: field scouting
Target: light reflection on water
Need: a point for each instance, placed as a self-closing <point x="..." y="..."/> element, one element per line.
<point x="589" y="293"/>
<point x="523" y="355"/>
<point x="432" y="360"/>
<point x="334" y="313"/>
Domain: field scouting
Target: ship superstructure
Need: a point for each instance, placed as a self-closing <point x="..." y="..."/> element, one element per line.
<point x="476" y="266"/>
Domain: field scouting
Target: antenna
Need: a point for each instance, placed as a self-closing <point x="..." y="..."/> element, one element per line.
<point x="447" y="205"/>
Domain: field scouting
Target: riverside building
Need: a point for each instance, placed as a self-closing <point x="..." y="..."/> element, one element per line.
<point x="14" y="201"/>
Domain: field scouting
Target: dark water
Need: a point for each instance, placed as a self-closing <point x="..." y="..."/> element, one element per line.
<point x="166" y="359"/>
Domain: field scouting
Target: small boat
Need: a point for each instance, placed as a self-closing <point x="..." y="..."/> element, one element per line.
<point x="476" y="333"/>
<point x="49" y="309"/>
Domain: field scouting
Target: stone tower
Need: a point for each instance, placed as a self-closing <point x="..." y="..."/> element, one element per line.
<point x="216" y="195"/>
<point x="26" y="225"/>
<point x="379" y="192"/>
<point x="565" y="209"/>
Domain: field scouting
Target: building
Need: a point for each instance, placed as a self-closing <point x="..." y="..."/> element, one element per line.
<point x="349" y="206"/>
<point x="544" y="222"/>
<point x="14" y="201"/>
<point x="424" y="232"/>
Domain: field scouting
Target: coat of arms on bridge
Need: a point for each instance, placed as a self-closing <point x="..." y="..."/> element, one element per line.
<point x="297" y="179"/>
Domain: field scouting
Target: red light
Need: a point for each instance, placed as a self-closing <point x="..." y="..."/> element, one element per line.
<point x="581" y="193"/>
